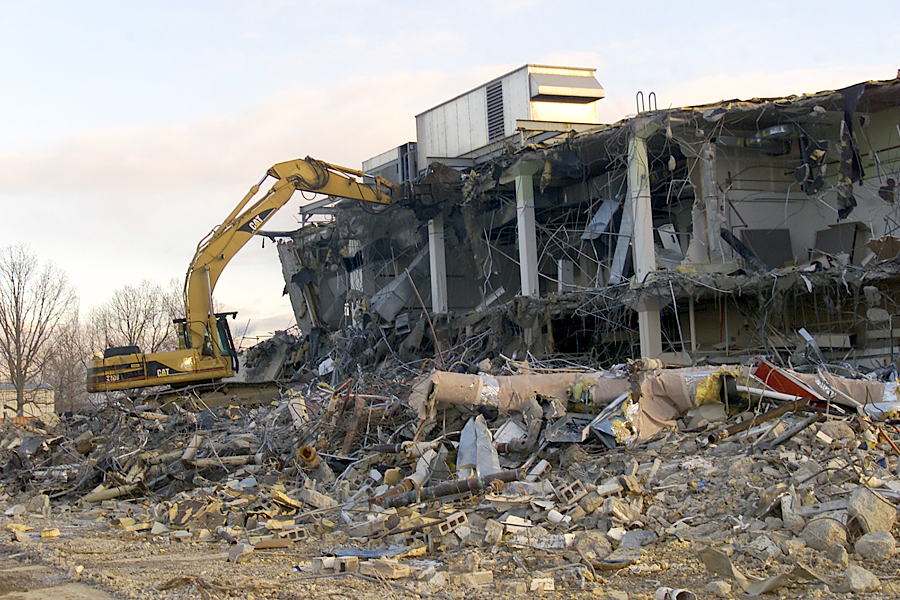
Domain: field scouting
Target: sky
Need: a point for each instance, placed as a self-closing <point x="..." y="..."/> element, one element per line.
<point x="129" y="130"/>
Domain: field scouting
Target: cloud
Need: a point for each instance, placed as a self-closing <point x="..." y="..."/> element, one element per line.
<point x="115" y="206"/>
<point x="588" y="59"/>
<point x="762" y="84"/>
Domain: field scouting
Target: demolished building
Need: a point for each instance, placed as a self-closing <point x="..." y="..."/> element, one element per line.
<point x="695" y="234"/>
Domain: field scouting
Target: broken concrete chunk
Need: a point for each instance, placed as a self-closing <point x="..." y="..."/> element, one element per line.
<point x="476" y="579"/>
<point x="158" y="528"/>
<point x="878" y="545"/>
<point x="238" y="552"/>
<point x="722" y="589"/>
<point x="837" y="430"/>
<point x="764" y="549"/>
<point x="316" y="499"/>
<point x="513" y="588"/>
<point x="609" y="488"/>
<point x="838" y="555"/>
<point x="859" y="580"/>
<point x="369" y="528"/>
<point x="516" y="525"/>
<point x="493" y="532"/>
<point x="869" y="512"/>
<point x="384" y="567"/>
<point x="38" y="504"/>
<point x="542" y="584"/>
<point x="822" y="534"/>
<point x="592" y="545"/>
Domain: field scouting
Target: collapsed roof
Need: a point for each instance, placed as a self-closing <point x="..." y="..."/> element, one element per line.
<point x="693" y="234"/>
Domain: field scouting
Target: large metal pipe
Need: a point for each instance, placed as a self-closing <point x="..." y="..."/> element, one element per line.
<point x="766" y="416"/>
<point x="793" y="431"/>
<point x="449" y="488"/>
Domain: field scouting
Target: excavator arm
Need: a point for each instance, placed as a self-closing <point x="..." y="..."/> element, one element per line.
<point x="205" y="347"/>
<point x="216" y="250"/>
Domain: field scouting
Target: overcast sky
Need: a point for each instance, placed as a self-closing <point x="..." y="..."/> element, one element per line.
<point x="130" y="129"/>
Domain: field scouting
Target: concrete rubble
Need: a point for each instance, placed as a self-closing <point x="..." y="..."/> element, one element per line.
<point x="524" y="479"/>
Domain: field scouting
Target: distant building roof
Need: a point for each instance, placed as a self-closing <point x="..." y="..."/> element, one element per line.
<point x="8" y="387"/>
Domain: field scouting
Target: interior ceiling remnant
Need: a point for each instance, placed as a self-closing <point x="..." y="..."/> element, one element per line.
<point x="742" y="195"/>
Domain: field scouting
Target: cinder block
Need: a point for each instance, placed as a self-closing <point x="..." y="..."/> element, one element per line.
<point x="616" y="508"/>
<point x="571" y="493"/>
<point x="335" y="564"/>
<point x="543" y="584"/>
<point x="383" y="567"/>
<point x="453" y="522"/>
<point x="476" y="579"/>
<point x="322" y="565"/>
<point x="346" y="564"/>
<point x="296" y="534"/>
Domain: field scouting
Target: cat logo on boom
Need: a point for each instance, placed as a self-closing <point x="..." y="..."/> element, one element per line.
<point x="256" y="223"/>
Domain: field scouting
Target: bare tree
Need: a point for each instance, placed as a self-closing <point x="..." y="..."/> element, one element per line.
<point x="173" y="298"/>
<point x="35" y="300"/>
<point x="65" y="367"/>
<point x="134" y="316"/>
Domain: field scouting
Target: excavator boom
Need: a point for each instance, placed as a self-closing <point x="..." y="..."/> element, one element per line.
<point x="206" y="351"/>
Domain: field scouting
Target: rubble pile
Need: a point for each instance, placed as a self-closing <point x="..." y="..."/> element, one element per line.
<point x="637" y="482"/>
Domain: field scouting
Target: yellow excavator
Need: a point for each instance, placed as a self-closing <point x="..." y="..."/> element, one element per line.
<point x="206" y="349"/>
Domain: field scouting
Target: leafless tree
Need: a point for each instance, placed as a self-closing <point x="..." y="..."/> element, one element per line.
<point x="35" y="300"/>
<point x="173" y="298"/>
<point x="135" y="316"/>
<point x="65" y="367"/>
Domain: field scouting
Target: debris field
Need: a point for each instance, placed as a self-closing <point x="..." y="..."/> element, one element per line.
<point x="640" y="481"/>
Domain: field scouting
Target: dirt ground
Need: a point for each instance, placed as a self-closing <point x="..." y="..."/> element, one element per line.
<point x="93" y="560"/>
<point x="123" y="565"/>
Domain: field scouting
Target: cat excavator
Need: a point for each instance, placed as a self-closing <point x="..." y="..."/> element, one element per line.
<point x="206" y="350"/>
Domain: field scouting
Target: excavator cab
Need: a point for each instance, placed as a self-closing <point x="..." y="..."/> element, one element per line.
<point x="127" y="367"/>
<point x="224" y="340"/>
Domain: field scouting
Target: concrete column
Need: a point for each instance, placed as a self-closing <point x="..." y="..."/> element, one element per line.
<point x="711" y="201"/>
<point x="528" y="267"/>
<point x="438" y="262"/>
<point x="643" y="252"/>
<point x="565" y="275"/>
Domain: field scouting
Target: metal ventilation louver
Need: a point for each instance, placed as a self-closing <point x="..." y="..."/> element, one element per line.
<point x="495" y="126"/>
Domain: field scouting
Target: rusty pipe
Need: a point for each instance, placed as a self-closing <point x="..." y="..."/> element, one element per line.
<point x="766" y="416"/>
<point x="449" y="488"/>
<point x="308" y="456"/>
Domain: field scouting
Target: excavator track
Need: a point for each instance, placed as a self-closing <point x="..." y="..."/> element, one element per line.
<point x="212" y="395"/>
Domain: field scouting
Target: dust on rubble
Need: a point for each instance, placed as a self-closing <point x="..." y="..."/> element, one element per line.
<point x="639" y="481"/>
